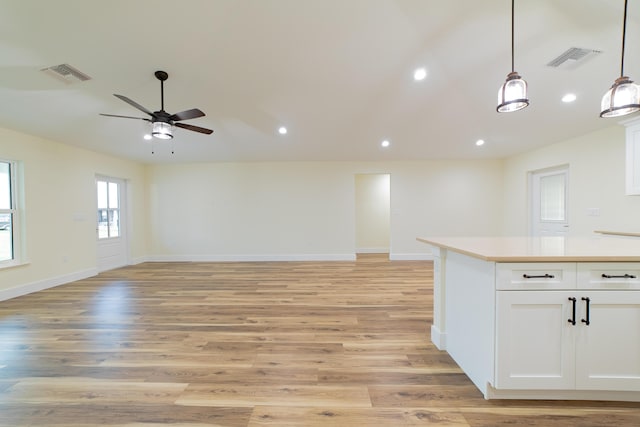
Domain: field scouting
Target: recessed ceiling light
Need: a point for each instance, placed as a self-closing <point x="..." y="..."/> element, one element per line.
<point x="420" y="74"/>
<point x="570" y="97"/>
<point x="480" y="142"/>
<point x="385" y="143"/>
<point x="147" y="136"/>
<point x="282" y="130"/>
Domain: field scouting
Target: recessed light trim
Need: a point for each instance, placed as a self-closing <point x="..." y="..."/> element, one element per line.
<point x="570" y="97"/>
<point x="480" y="142"/>
<point x="385" y="143"/>
<point x="420" y="74"/>
<point x="282" y="130"/>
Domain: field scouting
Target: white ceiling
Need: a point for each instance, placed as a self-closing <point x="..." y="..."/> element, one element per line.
<point x="337" y="73"/>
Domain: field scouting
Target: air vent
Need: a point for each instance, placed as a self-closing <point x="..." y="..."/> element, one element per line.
<point x="573" y="57"/>
<point x="66" y="73"/>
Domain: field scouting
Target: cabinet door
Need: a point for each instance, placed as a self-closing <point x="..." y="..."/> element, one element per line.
<point x="535" y="346"/>
<point x="608" y="349"/>
<point x="633" y="158"/>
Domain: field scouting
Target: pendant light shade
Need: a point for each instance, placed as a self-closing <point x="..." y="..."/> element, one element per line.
<point x="624" y="96"/>
<point x="512" y="95"/>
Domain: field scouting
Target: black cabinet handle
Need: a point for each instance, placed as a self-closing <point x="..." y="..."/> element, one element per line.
<point x="546" y="276"/>
<point x="626" y="276"/>
<point x="587" y="321"/>
<point x="573" y="319"/>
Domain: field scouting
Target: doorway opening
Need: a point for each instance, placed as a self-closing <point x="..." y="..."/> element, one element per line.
<point x="373" y="213"/>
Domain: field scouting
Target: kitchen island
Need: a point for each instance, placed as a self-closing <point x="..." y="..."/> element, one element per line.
<point x="540" y="318"/>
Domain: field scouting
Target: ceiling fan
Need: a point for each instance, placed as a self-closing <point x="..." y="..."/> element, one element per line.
<point x="161" y="121"/>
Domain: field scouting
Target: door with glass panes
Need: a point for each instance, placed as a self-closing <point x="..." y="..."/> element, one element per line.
<point x="110" y="225"/>
<point x="549" y="197"/>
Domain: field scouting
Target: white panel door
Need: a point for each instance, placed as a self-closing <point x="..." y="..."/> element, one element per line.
<point x="608" y="348"/>
<point x="549" y="197"/>
<point x="535" y="340"/>
<point x="110" y="225"/>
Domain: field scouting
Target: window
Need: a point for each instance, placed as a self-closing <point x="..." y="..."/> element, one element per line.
<point x="108" y="209"/>
<point x="8" y="214"/>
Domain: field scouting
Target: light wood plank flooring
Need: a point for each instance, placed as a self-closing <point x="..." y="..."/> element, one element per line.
<point x="249" y="344"/>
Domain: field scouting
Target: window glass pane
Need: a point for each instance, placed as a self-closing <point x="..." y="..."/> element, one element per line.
<point x="114" y="223"/>
<point x="103" y="224"/>
<point x="5" y="185"/>
<point x="552" y="198"/>
<point x="6" y="237"/>
<point x="113" y="195"/>
<point x="102" y="195"/>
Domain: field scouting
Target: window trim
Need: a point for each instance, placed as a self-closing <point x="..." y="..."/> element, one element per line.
<point x="16" y="211"/>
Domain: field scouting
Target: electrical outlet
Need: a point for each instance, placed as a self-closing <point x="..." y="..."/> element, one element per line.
<point x="593" y="211"/>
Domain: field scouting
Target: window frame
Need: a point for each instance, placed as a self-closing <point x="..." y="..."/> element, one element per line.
<point x="16" y="215"/>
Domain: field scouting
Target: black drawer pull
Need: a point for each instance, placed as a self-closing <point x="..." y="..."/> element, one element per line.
<point x="573" y="320"/>
<point x="587" y="321"/>
<point x="546" y="276"/>
<point x="626" y="276"/>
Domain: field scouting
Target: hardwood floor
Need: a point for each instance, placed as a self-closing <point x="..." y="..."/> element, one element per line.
<point x="249" y="344"/>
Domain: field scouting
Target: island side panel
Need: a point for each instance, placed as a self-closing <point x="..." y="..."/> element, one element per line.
<point x="470" y="316"/>
<point x="438" y="328"/>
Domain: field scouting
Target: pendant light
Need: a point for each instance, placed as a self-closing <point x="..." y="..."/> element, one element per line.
<point x="512" y="95"/>
<point x="624" y="96"/>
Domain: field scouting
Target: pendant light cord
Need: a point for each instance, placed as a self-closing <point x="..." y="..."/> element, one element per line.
<point x="512" y="32"/>
<point x="624" y="31"/>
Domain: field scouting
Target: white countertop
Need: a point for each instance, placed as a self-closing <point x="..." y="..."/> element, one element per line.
<point x="542" y="249"/>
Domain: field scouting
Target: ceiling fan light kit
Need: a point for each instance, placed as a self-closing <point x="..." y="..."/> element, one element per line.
<point x="161" y="130"/>
<point x="512" y="95"/>
<point x="624" y="96"/>
<point x="162" y="123"/>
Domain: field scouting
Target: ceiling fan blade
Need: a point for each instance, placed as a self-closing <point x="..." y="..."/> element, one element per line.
<point x="193" y="128"/>
<point x="125" y="117"/>
<point x="133" y="104"/>
<point x="186" y="115"/>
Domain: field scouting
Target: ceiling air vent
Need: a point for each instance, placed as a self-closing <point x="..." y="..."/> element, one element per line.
<point x="66" y="73"/>
<point x="573" y="57"/>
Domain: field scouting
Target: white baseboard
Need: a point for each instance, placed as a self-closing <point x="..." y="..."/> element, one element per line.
<point x="411" y="257"/>
<point x="372" y="250"/>
<point x="438" y="338"/>
<point x="41" y="285"/>
<point x="251" y="258"/>
<point x="139" y="260"/>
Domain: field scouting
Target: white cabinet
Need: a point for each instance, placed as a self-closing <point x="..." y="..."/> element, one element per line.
<point x="538" y="346"/>
<point x="584" y="337"/>
<point x="633" y="157"/>
<point x="608" y="349"/>
<point x="535" y="346"/>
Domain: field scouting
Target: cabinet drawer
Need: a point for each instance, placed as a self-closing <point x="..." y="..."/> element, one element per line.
<point x="543" y="275"/>
<point x="608" y="275"/>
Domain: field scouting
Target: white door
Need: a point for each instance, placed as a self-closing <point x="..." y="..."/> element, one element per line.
<point x="549" y="197"/>
<point x="608" y="348"/>
<point x="535" y="340"/>
<point x="110" y="224"/>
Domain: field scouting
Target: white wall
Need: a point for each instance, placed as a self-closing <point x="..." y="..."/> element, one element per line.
<point x="306" y="210"/>
<point x="60" y="210"/>
<point x="239" y="211"/>
<point x="373" y="212"/>
<point x="596" y="180"/>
